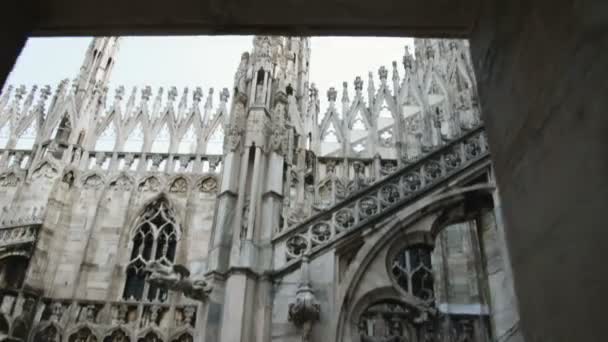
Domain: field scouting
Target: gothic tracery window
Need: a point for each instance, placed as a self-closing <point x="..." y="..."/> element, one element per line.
<point x="412" y="270"/>
<point x="154" y="239"/>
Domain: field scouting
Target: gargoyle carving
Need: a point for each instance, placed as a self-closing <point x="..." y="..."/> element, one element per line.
<point x="177" y="278"/>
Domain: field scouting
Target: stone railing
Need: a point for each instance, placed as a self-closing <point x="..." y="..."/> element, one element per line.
<point x="379" y="198"/>
<point x="99" y="319"/>
<point x="19" y="235"/>
<point x="76" y="157"/>
<point x="150" y="162"/>
<point x="18" y="160"/>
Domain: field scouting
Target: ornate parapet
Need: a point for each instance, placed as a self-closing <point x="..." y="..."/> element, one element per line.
<point x="97" y="320"/>
<point x="377" y="200"/>
<point x="305" y="310"/>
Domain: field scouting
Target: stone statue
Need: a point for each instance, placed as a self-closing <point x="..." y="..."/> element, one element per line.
<point x="177" y="278"/>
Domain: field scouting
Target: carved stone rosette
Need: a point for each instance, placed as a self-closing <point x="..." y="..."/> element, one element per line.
<point x="305" y="310"/>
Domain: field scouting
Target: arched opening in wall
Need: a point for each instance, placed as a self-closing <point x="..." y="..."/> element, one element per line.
<point x="330" y="143"/>
<point x="154" y="238"/>
<point x="12" y="271"/>
<point x="359" y="132"/>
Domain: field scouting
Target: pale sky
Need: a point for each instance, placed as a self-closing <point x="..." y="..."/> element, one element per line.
<point x="206" y="61"/>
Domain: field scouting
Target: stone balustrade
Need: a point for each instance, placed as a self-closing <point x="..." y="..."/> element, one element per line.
<point x="19" y="235"/>
<point x="377" y="199"/>
<point x="58" y="318"/>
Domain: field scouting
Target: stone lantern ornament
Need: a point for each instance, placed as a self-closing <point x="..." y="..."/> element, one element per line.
<point x="306" y="309"/>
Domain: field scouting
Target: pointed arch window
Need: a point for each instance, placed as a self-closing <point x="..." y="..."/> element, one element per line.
<point x="413" y="271"/>
<point x="154" y="239"/>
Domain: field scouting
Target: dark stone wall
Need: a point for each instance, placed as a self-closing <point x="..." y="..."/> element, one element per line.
<point x="543" y="81"/>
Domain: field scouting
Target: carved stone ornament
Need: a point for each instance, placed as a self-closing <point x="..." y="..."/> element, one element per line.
<point x="305" y="310"/>
<point x="150" y="184"/>
<point x="232" y="139"/>
<point x="177" y="278"/>
<point x="9" y="180"/>
<point x="46" y="170"/>
<point x="179" y="185"/>
<point x="93" y="182"/>
<point x="208" y="184"/>
<point x="122" y="183"/>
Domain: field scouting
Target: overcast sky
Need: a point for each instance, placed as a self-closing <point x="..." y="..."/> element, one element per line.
<point x="206" y="61"/>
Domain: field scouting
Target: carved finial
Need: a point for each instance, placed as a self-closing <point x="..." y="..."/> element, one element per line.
<point x="453" y="45"/>
<point x="172" y="94"/>
<point x="45" y="92"/>
<point x="383" y="73"/>
<point x="120" y="92"/>
<point x="358" y="83"/>
<point x="75" y="84"/>
<point x="146" y="93"/>
<point x="209" y="102"/>
<point x="395" y="71"/>
<point x="184" y="99"/>
<point x="313" y="92"/>
<point x="407" y="59"/>
<point x="345" y="92"/>
<point x="224" y="95"/>
<point x="430" y="52"/>
<point x="197" y="96"/>
<point x="332" y="94"/>
<point x="19" y="92"/>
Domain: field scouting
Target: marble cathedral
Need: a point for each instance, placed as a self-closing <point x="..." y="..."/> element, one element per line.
<point x="250" y="214"/>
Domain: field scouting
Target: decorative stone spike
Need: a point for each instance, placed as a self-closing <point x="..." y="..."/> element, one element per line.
<point x="120" y="92"/>
<point x="383" y="73"/>
<point x="332" y="94"/>
<point x="197" y="96"/>
<point x="358" y="84"/>
<point x="29" y="99"/>
<point x="157" y="102"/>
<point x="345" y="92"/>
<point x="408" y="59"/>
<point x="172" y="94"/>
<point x="146" y="93"/>
<point x="209" y="102"/>
<point x="45" y="92"/>
<point x="224" y="95"/>
<point x="184" y="100"/>
<point x="131" y="102"/>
